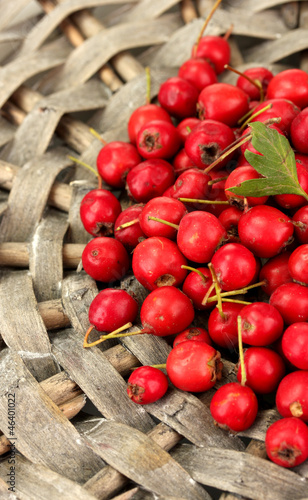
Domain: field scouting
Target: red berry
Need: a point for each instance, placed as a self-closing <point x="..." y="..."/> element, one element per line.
<point x="149" y="179"/>
<point x="164" y="208"/>
<point x="192" y="183"/>
<point x="194" y="366"/>
<point x="99" y="210"/>
<point x="265" y="230"/>
<point x="282" y="108"/>
<point x="196" y="287"/>
<point x="298" y="264"/>
<point x="299" y="132"/>
<point x="291" y="201"/>
<point x="105" y="259"/>
<point x="115" y="160"/>
<point x="214" y="49"/>
<point x="111" y="309"/>
<point x="198" y="72"/>
<point x="132" y="235"/>
<point x="222" y="102"/>
<point x="291" y="300"/>
<point x="234" y="265"/>
<point x="199" y="235"/>
<point x="235" y="179"/>
<point x="207" y="141"/>
<point x="294" y="344"/>
<point x="286" y="442"/>
<point x="301" y="224"/>
<point x="292" y="395"/>
<point x="166" y="311"/>
<point x="275" y="272"/>
<point x="157" y="262"/>
<point x="234" y="407"/>
<point x="185" y="127"/>
<point x="259" y="74"/>
<point x="158" y="139"/>
<point x="178" y="97"/>
<point x="196" y="334"/>
<point x="223" y="330"/>
<point x="264" y="369"/>
<point x="290" y="84"/>
<point x="229" y="218"/>
<point x="262" y="324"/>
<point x="142" y="116"/>
<point x="146" y="385"/>
<point x="182" y="162"/>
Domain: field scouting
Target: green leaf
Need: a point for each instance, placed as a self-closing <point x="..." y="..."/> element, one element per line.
<point x="277" y="165"/>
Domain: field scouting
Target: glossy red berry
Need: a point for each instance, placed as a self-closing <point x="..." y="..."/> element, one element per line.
<point x="146" y="385"/>
<point x="286" y="442"/>
<point x="199" y="235"/>
<point x="194" y="366"/>
<point x="282" y="108"/>
<point x="235" y="179"/>
<point x="229" y="218"/>
<point x="297" y="264"/>
<point x="198" y="72"/>
<point x="207" y="141"/>
<point x="105" y="259"/>
<point x="214" y="49"/>
<point x="111" y="309"/>
<point x="223" y="330"/>
<point x="158" y="139"/>
<point x="234" y="265"/>
<point x="193" y="184"/>
<point x="99" y="210"/>
<point x="294" y="344"/>
<point x="196" y="286"/>
<point x="262" y="75"/>
<point x="132" y="235"/>
<point x="166" y="311"/>
<point x="285" y="297"/>
<point x="301" y="224"/>
<point x="292" y="395"/>
<point x="223" y="102"/>
<point x="115" y="160"/>
<point x="264" y="369"/>
<point x="193" y="333"/>
<point x="178" y="97"/>
<point x="182" y="162"/>
<point x="142" y="116"/>
<point x="290" y="84"/>
<point x="149" y="179"/>
<point x="262" y="324"/>
<point x="167" y="209"/>
<point x="275" y="272"/>
<point x="265" y="230"/>
<point x="157" y="262"/>
<point x="294" y="201"/>
<point x="234" y="407"/>
<point x="186" y="125"/>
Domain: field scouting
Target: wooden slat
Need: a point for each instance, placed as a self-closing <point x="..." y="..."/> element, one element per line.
<point x="43" y="434"/>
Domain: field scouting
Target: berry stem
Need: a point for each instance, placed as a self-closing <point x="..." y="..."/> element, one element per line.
<point x="206" y="22"/>
<point x="119" y="335"/>
<point x="254" y="115"/>
<point x="206" y="202"/>
<point x="76" y="160"/>
<point x="127" y="224"/>
<point x="148" y="84"/>
<point x="214" y="181"/>
<point x="224" y="155"/>
<point x="195" y="271"/>
<point x="236" y="301"/>
<point x="97" y="135"/>
<point x="240" y="346"/>
<point x="237" y="292"/>
<point x="208" y="293"/>
<point x="217" y="289"/>
<point x="256" y="83"/>
<point x="175" y="226"/>
<point x="103" y="337"/>
<point x="228" y="33"/>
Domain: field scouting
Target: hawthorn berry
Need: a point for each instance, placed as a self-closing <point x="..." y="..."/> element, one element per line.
<point x="286" y="296"/>
<point x="222" y="102"/>
<point x="292" y="395"/>
<point x="262" y="324"/>
<point x="264" y="369"/>
<point x="193" y="333"/>
<point x="146" y="385"/>
<point x="223" y="328"/>
<point x="275" y="272"/>
<point x="149" y="179"/>
<point x="105" y="259"/>
<point x="286" y="442"/>
<point x="290" y="84"/>
<point x="111" y="309"/>
<point x="214" y="49"/>
<point x="99" y="210"/>
<point x="234" y="265"/>
<point x="158" y="139"/>
<point x="143" y="115"/>
<point x="131" y="234"/>
<point x="196" y="285"/>
<point x="294" y="344"/>
<point x="178" y="97"/>
<point x="165" y="208"/>
<point x="198" y="72"/>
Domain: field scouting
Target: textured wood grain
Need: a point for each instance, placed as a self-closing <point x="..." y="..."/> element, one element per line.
<point x="156" y="470"/>
<point x="240" y="473"/>
<point x="36" y="482"/>
<point x="9" y="11"/>
<point x="269" y="52"/>
<point x="22" y="327"/>
<point x="90" y="369"/>
<point x="29" y="195"/>
<point x="49" y="440"/>
<point x="45" y="116"/>
<point x="47" y="273"/>
<point x="77" y="232"/>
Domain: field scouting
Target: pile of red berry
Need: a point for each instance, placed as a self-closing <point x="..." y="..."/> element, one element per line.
<point x="196" y="245"/>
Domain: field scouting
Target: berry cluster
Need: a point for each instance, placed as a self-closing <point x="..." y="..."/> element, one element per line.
<point x="198" y="244"/>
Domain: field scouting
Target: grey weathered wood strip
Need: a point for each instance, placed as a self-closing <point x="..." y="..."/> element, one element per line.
<point x="77" y="232"/>
<point x="270" y="52"/>
<point x="29" y="194"/>
<point x="45" y="116"/>
<point x="146" y="9"/>
<point x="43" y="434"/>
<point x="18" y="71"/>
<point x="46" y="256"/>
<point x="8" y="11"/>
<point x="101" y="382"/>
<point x="7" y="131"/>
<point x="86" y="59"/>
<point x="21" y="325"/>
<point x="155" y="470"/>
<point x="37" y="482"/>
<point x="240" y="473"/>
